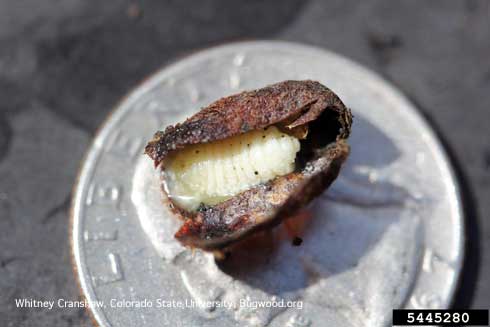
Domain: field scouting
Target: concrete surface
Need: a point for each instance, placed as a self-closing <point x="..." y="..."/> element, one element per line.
<point x="65" y="63"/>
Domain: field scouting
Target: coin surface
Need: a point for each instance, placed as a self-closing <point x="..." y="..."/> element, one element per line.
<point x="387" y="234"/>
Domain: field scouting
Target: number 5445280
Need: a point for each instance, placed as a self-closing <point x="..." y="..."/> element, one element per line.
<point x="437" y="317"/>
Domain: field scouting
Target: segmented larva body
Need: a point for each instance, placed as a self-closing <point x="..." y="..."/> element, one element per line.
<point x="213" y="172"/>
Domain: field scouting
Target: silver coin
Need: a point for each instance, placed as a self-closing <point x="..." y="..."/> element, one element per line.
<point x="388" y="234"/>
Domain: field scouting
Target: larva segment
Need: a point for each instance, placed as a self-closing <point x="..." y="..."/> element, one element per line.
<point x="211" y="173"/>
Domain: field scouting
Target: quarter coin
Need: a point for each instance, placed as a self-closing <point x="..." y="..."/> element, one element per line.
<point x="388" y="233"/>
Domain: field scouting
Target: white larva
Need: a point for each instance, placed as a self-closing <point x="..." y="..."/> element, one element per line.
<point x="213" y="172"/>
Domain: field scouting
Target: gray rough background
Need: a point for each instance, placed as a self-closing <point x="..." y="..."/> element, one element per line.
<point x="65" y="63"/>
